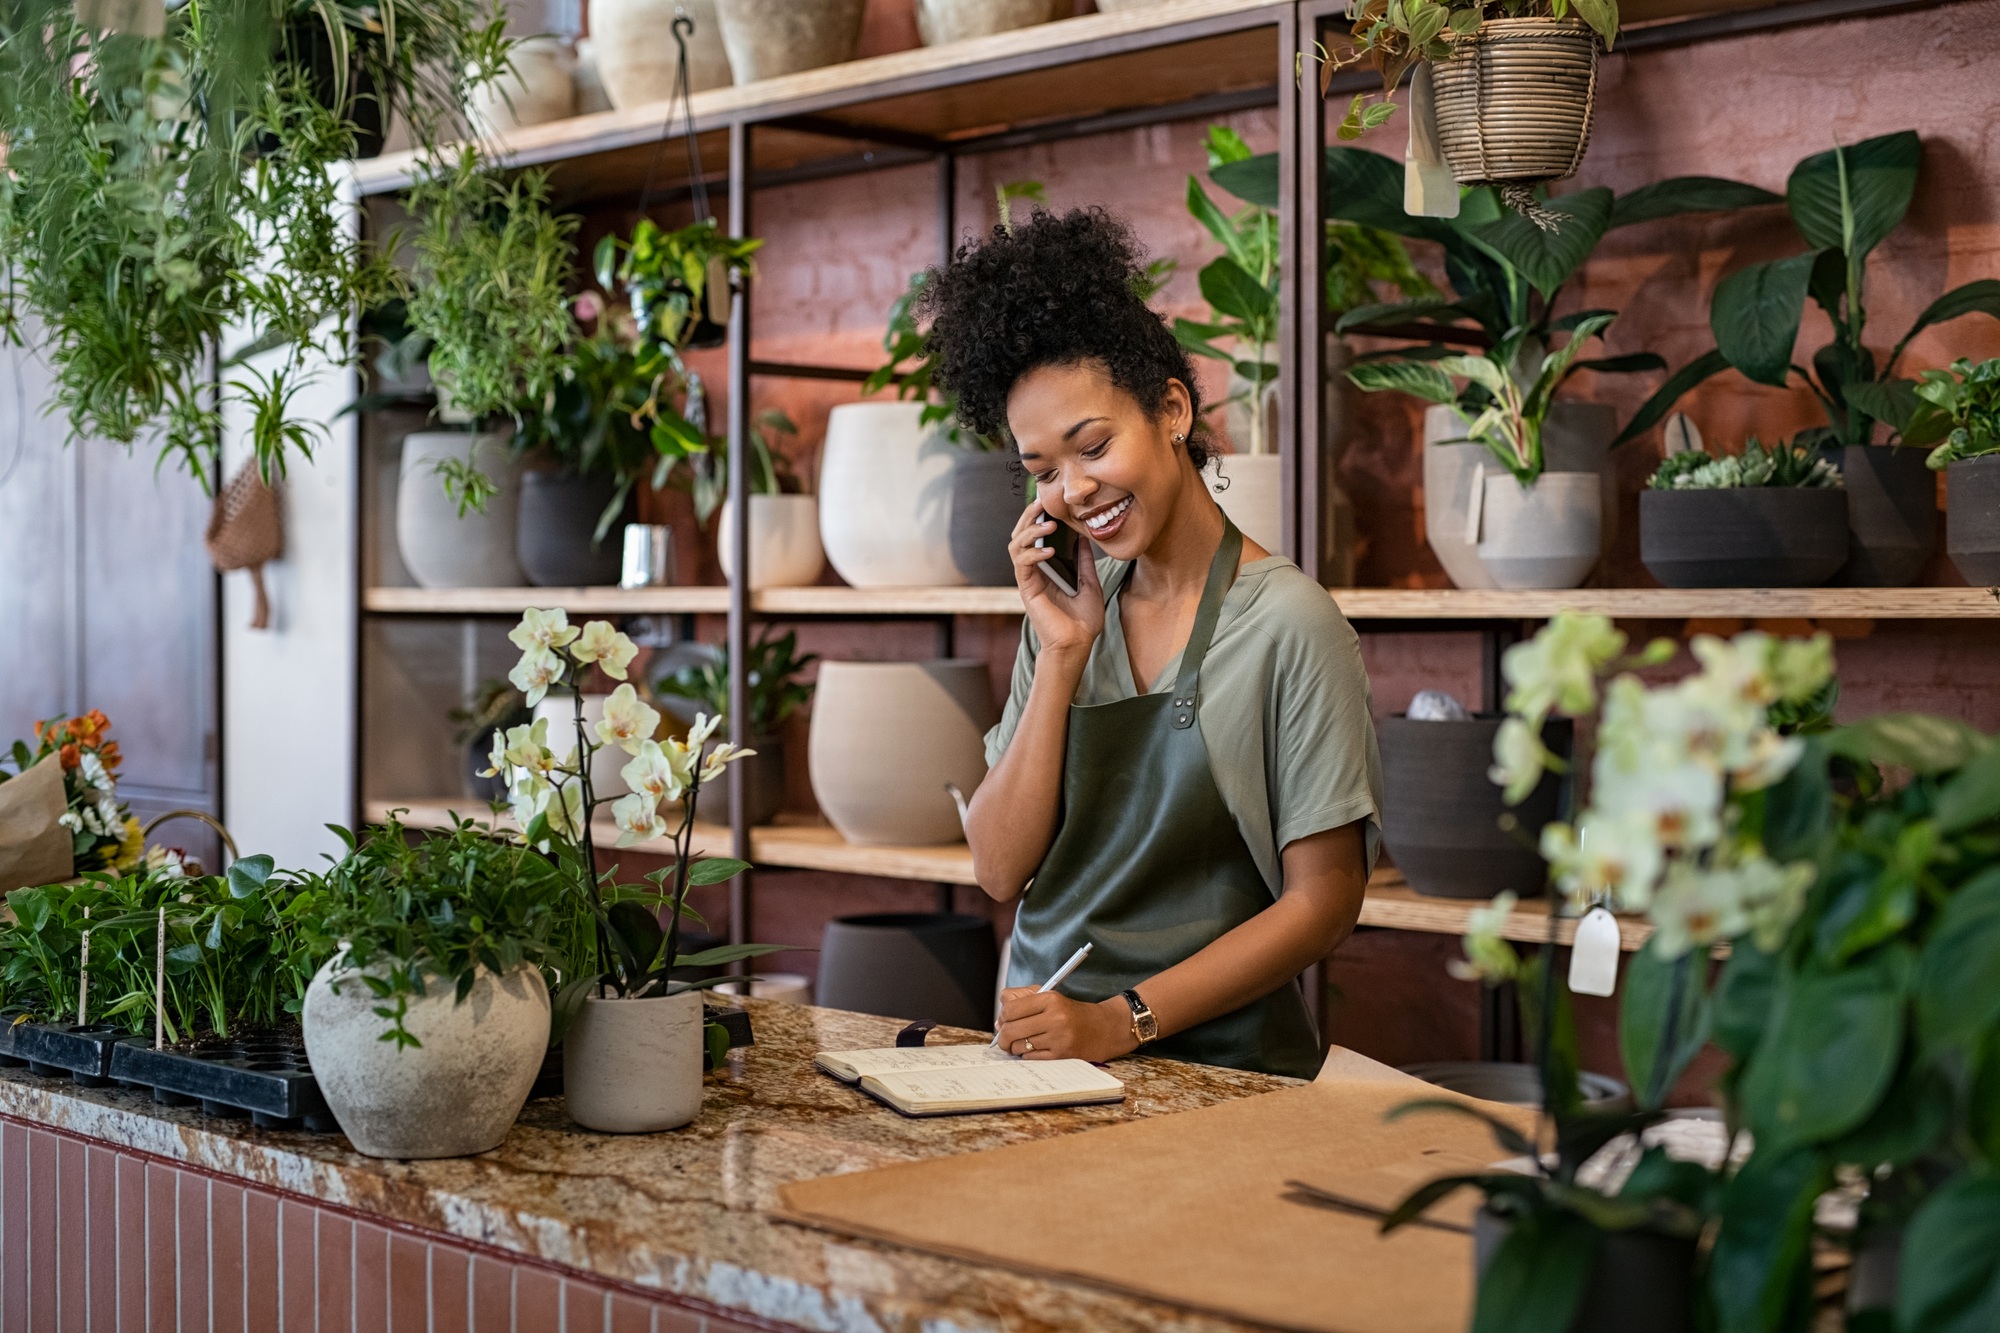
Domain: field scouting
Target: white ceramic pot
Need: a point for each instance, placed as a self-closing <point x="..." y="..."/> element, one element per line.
<point x="441" y="549"/>
<point x="784" y="542"/>
<point x="885" y="497"/>
<point x="606" y="764"/>
<point x="637" y="57"/>
<point x="887" y="737"/>
<point x="767" y="38"/>
<point x="541" y="87"/>
<point x="1246" y="486"/>
<point x="456" y="1094"/>
<point x="1120" y="6"/>
<point x="1450" y="466"/>
<point x="784" y="987"/>
<point x="940" y="21"/>
<point x="588" y="80"/>
<point x="1540" y="536"/>
<point x="1576" y="437"/>
<point x="634" y="1066"/>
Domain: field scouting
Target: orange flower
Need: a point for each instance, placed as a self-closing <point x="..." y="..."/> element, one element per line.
<point x="98" y="721"/>
<point x="108" y="753"/>
<point x="70" y="757"/>
<point x="38" y="729"/>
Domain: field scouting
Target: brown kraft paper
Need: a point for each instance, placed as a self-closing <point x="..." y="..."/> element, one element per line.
<point x="34" y="846"/>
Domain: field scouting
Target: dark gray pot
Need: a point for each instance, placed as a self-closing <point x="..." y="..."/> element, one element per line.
<point x="559" y="512"/>
<point x="1515" y="1084"/>
<point x="1892" y="515"/>
<point x="1753" y="537"/>
<point x="1441" y="813"/>
<point x="1642" y="1282"/>
<point x="936" y="965"/>
<point x="1972" y="520"/>
<point x="988" y="491"/>
<point x="763" y="782"/>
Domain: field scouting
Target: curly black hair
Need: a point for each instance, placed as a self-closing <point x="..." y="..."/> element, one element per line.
<point x="1054" y="291"/>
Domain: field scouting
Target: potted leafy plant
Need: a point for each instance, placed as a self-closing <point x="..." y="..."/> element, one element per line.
<point x="1768" y="517"/>
<point x="427" y="1025"/>
<point x="678" y="282"/>
<point x="633" y="1035"/>
<point x="777" y="691"/>
<point x="1958" y="412"/>
<point x="1844" y="202"/>
<point x="784" y="516"/>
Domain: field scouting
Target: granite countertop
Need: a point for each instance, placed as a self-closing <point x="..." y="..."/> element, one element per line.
<point x="685" y="1211"/>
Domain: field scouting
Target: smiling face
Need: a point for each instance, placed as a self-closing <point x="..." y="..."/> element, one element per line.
<point x="1100" y="461"/>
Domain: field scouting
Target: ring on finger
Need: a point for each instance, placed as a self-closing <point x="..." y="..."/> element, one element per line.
<point x="1027" y="1046"/>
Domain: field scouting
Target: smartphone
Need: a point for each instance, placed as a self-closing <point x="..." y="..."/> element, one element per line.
<point x="1061" y="567"/>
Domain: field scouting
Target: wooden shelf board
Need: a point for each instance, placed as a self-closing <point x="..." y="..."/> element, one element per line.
<point x="513" y="601"/>
<point x="1392" y="904"/>
<point x="831" y="601"/>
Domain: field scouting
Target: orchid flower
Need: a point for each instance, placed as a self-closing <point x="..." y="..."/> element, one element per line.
<point x="600" y="643"/>
<point x="627" y="720"/>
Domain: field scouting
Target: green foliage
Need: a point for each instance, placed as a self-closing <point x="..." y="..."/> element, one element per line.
<point x="675" y="280"/>
<point x="1783" y="465"/>
<point x="1240" y="286"/>
<point x="776" y="690"/>
<point x="770" y="470"/>
<point x="1957" y="410"/>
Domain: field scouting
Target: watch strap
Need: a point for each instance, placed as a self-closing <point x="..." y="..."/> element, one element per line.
<point x="1145" y="1027"/>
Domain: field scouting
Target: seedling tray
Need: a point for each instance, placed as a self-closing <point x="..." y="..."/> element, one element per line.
<point x="54" y="1049"/>
<point x="266" y="1078"/>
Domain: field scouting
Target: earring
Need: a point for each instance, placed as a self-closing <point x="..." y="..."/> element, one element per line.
<point x="1180" y="439"/>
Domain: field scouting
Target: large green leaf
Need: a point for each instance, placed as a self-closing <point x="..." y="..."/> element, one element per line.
<point x="1958" y="980"/>
<point x="1363" y="318"/>
<point x="1661" y="994"/>
<point x="1420" y="379"/>
<point x="1893" y="402"/>
<point x="715" y="869"/>
<point x="1686" y="194"/>
<point x="1829" y="1051"/>
<point x="1917" y="741"/>
<point x="1232" y="291"/>
<point x="1755" y="316"/>
<point x="1950" y="1276"/>
<point x="1535" y="1279"/>
<point x="1662" y="402"/>
<point x="1366" y="187"/>
<point x="1254" y="180"/>
<point x="1978" y="297"/>
<point x="1972" y="795"/>
<point x="1204" y="211"/>
<point x="1548" y="258"/>
<point x="1849" y="198"/>
<point x="1758" y="1270"/>
<point x="1743" y="996"/>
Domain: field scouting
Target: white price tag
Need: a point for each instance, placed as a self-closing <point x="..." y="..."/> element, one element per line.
<point x="1593" y="959"/>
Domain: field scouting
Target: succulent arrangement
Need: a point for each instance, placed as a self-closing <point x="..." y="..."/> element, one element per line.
<point x="1758" y="464"/>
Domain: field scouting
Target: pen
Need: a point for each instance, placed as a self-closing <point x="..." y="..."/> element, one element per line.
<point x="1062" y="973"/>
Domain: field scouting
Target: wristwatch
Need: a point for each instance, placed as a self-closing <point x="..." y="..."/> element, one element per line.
<point x="1145" y="1027"/>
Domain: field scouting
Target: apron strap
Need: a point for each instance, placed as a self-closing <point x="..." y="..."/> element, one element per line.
<point x="1221" y="574"/>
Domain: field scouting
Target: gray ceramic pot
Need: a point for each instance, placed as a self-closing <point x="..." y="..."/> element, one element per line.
<point x="941" y="21"/>
<point x="988" y="491"/>
<point x="441" y="547"/>
<point x="1972" y="521"/>
<point x="559" y="513"/>
<point x="1441" y="813"/>
<point x="1751" y="537"/>
<point x="1892" y="515"/>
<point x="1641" y="1281"/>
<point x="1515" y="1084"/>
<point x="767" y="38"/>
<point x="935" y="965"/>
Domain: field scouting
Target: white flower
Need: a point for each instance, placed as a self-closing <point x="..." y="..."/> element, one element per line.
<point x="1488" y="957"/>
<point x="612" y="651"/>
<point x="1770" y="757"/>
<point x="627" y="719"/>
<point x="637" y="816"/>
<point x="545" y="630"/>
<point x="538" y="669"/>
<point x="1773" y="896"/>
<point x="70" y="820"/>
<point x="93" y="771"/>
<point x="528" y="748"/>
<point x="704" y="727"/>
<point x="1558" y="668"/>
<point x="560" y="802"/>
<point x="1606" y="856"/>
<point x="1800" y="668"/>
<point x="1518" y="760"/>
<point x="658" y="773"/>
<point x="720" y="758"/>
<point x="1695" y="908"/>
<point x="1678" y="800"/>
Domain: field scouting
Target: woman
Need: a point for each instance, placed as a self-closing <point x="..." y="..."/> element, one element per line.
<point x="1185" y="775"/>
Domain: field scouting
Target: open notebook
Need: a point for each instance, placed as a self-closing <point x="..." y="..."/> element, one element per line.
<point x="958" y="1080"/>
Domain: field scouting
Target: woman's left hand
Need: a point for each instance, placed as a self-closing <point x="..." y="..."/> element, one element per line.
<point x="1037" y="1026"/>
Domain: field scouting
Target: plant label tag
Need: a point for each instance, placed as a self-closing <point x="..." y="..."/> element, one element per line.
<point x="1593" y="959"/>
<point x="1475" y="504"/>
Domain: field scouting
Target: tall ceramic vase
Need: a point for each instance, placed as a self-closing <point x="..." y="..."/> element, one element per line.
<point x="538" y="88"/>
<point x="1540" y="536"/>
<point x="633" y="42"/>
<point x="887" y="737"/>
<point x="1576" y="437"/>
<point x="768" y="38"/>
<point x="1246" y="486"/>
<point x="559" y="711"/>
<point x="441" y="548"/>
<point x="885" y="497"/>
<point x="634" y="1066"/>
<point x="940" y="21"/>
<point x="784" y="541"/>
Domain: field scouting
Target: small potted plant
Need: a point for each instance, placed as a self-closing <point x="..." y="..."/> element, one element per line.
<point x="784" y="516"/>
<point x="777" y="690"/>
<point x="679" y="282"/>
<point x="1958" y="411"/>
<point x="1771" y="516"/>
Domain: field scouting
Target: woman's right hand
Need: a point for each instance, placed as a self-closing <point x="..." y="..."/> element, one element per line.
<point x="1062" y="623"/>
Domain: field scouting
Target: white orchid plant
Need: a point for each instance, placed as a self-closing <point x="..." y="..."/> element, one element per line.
<point x="554" y="804"/>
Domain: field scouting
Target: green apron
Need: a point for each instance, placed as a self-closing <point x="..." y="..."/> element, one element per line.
<point x="1149" y="866"/>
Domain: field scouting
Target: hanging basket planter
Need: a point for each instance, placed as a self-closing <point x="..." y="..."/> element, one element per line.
<point x="1514" y="104"/>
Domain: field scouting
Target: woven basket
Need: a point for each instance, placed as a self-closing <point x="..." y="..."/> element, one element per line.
<point x="1514" y="101"/>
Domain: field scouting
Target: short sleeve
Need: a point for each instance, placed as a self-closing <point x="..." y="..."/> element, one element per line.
<point x="1017" y="696"/>
<point x="1324" y="769"/>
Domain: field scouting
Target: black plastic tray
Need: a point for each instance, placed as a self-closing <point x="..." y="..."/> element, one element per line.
<point x="265" y="1078"/>
<point x="52" y="1049"/>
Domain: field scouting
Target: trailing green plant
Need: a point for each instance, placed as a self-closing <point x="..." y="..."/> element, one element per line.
<point x="668" y="275"/>
<point x="1957" y="411"/>
<point x="773" y="675"/>
<point x="770" y="469"/>
<point x="1843" y="202"/>
<point x="1241" y="288"/>
<point x="1759" y="464"/>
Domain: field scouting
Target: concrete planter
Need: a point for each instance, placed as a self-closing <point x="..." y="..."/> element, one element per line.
<point x="540" y="88"/>
<point x="887" y="737"/>
<point x="785" y="550"/>
<point x="885" y="488"/>
<point x="988" y="492"/>
<point x="1247" y="488"/>
<point x="1542" y="536"/>
<point x="1441" y="813"/>
<point x="941" y="21"/>
<point x="441" y="549"/>
<point x="634" y="1066"/>
<point x="1972" y="519"/>
<point x="559" y="513"/>
<point x="455" y="1095"/>
<point x="633" y="42"/>
<point x="1749" y="537"/>
<point x="767" y="38"/>
<point x="1892" y="515"/>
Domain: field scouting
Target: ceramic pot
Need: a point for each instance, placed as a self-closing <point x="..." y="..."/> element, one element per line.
<point x="1450" y="464"/>
<point x="1120" y="6"/>
<point x="1640" y="1281"/>
<point x="634" y="1066"/>
<point x="887" y="737"/>
<point x="559" y="514"/>
<point x="637" y="57"/>
<point x="539" y="88"/>
<point x="1541" y="536"/>
<point x="1248" y="434"/>
<point x="783" y="987"/>
<point x="559" y="709"/>
<point x="767" y="38"/>
<point x="456" y="1094"/>
<point x="885" y="497"/>
<point x="1892" y="515"/>
<point x="1972" y="518"/>
<point x="1747" y="537"/>
<point x="1247" y="488"/>
<point x="784" y="542"/>
<point x="941" y="21"/>
<point x="988" y="492"/>
<point x="1515" y="1084"/>
<point x="441" y="549"/>
<point x="1441" y="813"/>
<point x="943" y="966"/>
<point x="588" y="80"/>
<point x="1576" y="437"/>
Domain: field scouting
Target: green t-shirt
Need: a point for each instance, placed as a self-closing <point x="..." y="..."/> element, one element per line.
<point x="1283" y="709"/>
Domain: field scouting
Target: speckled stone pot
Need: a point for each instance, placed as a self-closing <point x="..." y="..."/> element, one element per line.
<point x="634" y="1066"/>
<point x="940" y="21"/>
<point x="767" y="38"/>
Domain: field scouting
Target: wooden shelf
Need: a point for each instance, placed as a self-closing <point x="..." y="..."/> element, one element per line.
<point x="1393" y="905"/>
<point x="513" y="601"/>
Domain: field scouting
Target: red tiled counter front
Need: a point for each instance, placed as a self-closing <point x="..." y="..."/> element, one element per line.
<point x="116" y="1214"/>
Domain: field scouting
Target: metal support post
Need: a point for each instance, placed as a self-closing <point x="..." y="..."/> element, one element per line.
<point x="1291" y="472"/>
<point x="739" y="505"/>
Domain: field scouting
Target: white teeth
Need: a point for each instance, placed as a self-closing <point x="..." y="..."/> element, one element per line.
<point x="1101" y="520"/>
